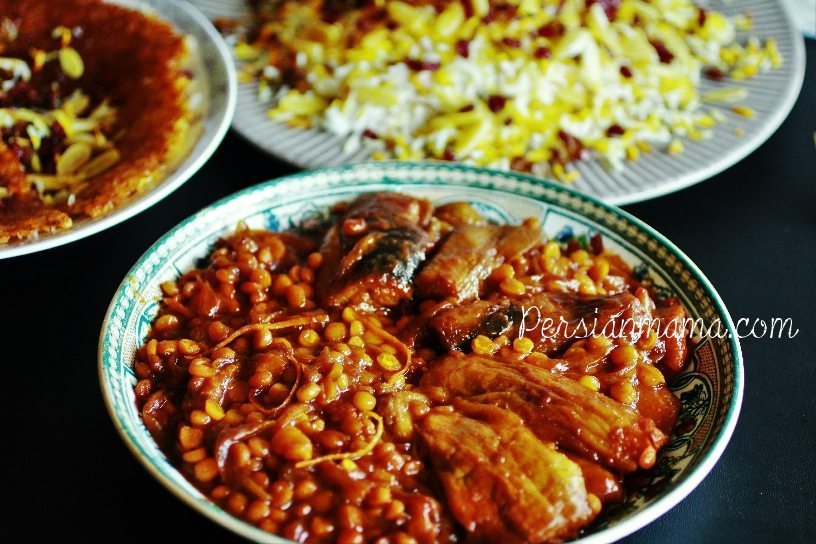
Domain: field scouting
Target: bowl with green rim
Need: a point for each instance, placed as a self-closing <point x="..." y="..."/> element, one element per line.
<point x="709" y="389"/>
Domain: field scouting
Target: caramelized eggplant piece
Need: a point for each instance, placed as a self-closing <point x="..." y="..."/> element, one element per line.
<point x="371" y="255"/>
<point x="456" y="326"/>
<point x="516" y="241"/>
<point x="551" y="320"/>
<point x="458" y="214"/>
<point x="674" y="335"/>
<point x="660" y="405"/>
<point x="556" y="408"/>
<point x="501" y="482"/>
<point x="463" y="262"/>
<point x="599" y="481"/>
<point x="468" y="256"/>
<point x="555" y="320"/>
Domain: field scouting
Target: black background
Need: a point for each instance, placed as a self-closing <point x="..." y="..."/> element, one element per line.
<point x="751" y="229"/>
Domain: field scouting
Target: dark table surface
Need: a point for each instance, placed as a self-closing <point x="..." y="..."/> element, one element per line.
<point x="751" y="229"/>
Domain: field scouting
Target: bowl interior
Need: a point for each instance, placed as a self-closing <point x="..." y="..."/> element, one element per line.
<point x="211" y="99"/>
<point x="709" y="389"/>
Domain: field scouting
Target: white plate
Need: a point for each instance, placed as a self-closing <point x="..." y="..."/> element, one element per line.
<point x="216" y="79"/>
<point x="771" y="95"/>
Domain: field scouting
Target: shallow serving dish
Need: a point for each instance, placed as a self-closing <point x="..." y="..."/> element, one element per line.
<point x="771" y="95"/>
<point x="215" y="85"/>
<point x="710" y="388"/>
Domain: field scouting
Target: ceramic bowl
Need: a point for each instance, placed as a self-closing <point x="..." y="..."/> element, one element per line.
<point x="710" y="388"/>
